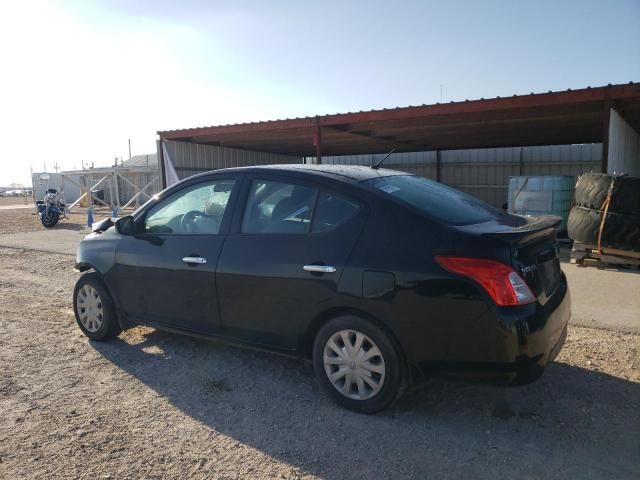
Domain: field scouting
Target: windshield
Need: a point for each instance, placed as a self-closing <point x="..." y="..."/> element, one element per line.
<point x="436" y="200"/>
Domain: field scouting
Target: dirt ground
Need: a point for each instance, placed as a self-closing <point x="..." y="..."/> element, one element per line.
<point x="156" y="405"/>
<point x="26" y="220"/>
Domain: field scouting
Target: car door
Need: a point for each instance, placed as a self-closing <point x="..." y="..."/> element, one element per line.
<point x="165" y="273"/>
<point x="283" y="258"/>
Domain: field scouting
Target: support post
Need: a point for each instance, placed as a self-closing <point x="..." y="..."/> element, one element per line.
<point x="163" y="175"/>
<point x="115" y="184"/>
<point x="438" y="167"/>
<point x="318" y="142"/>
<point x="521" y="161"/>
<point x="112" y="205"/>
<point x="606" y="120"/>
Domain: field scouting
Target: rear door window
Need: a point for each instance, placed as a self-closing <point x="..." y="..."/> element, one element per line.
<point x="436" y="200"/>
<point x="278" y="207"/>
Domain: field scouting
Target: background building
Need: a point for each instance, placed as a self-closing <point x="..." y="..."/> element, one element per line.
<point x="127" y="184"/>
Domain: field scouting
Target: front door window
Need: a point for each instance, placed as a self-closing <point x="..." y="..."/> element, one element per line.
<point x="196" y="210"/>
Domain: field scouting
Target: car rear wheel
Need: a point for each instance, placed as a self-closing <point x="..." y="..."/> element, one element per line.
<point x="94" y="308"/>
<point x="358" y="364"/>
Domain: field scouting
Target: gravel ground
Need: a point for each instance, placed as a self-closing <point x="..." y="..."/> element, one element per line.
<point x="155" y="405"/>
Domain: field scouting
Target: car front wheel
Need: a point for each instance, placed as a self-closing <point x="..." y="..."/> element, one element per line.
<point x="94" y="308"/>
<point x="358" y="364"/>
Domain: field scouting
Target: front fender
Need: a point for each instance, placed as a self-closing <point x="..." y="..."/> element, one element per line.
<point x="98" y="252"/>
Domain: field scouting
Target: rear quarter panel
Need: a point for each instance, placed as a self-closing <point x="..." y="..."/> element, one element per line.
<point x="435" y="315"/>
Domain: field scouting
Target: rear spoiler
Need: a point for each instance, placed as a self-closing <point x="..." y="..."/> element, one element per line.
<point x="536" y="228"/>
<point x="532" y="229"/>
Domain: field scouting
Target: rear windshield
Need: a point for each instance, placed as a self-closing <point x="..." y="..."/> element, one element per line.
<point x="436" y="200"/>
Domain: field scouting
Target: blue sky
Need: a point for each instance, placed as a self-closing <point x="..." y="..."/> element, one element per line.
<point x="85" y="76"/>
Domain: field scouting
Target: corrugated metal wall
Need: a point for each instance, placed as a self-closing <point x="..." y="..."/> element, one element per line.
<point x="485" y="172"/>
<point x="624" y="147"/>
<point x="190" y="158"/>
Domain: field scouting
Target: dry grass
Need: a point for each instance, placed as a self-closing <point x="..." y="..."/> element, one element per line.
<point x="16" y="201"/>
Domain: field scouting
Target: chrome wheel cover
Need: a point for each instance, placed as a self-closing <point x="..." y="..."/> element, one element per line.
<point x="89" y="307"/>
<point x="354" y="364"/>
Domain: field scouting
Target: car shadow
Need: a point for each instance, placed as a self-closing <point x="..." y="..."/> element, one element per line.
<point x="574" y="422"/>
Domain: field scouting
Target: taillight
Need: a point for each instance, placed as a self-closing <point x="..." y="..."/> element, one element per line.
<point x="501" y="281"/>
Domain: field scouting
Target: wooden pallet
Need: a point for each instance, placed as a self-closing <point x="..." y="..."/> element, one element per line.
<point x="582" y="254"/>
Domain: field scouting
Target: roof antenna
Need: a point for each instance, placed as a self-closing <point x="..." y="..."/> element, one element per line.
<point x="375" y="166"/>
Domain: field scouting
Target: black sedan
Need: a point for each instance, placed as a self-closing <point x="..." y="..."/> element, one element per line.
<point x="379" y="277"/>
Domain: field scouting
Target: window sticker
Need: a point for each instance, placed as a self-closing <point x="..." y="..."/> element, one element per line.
<point x="389" y="188"/>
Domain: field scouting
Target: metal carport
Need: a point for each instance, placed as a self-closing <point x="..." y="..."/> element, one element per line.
<point x="564" y="118"/>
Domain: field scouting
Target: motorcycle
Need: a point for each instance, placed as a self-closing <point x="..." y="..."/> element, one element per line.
<point x="51" y="208"/>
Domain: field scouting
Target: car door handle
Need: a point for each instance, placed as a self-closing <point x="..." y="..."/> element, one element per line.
<point x="199" y="260"/>
<point x="319" y="268"/>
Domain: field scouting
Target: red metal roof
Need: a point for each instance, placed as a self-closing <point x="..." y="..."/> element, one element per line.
<point x="552" y="118"/>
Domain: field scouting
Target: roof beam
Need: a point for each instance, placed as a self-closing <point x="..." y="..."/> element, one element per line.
<point x="392" y="141"/>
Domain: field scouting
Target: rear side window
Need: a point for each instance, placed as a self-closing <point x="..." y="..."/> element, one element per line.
<point x="436" y="200"/>
<point x="331" y="211"/>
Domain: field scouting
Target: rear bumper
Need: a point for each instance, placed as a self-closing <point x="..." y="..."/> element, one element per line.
<point x="539" y="336"/>
<point x="519" y="341"/>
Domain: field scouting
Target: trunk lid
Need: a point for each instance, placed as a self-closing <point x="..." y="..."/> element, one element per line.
<point x="533" y="249"/>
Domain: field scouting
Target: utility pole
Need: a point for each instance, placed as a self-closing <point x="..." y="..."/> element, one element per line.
<point x="129" y="148"/>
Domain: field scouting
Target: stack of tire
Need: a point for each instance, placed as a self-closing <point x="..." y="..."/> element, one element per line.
<point x="621" y="227"/>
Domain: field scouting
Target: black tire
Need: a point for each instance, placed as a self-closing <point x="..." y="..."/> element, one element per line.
<point x="395" y="381"/>
<point x="110" y="327"/>
<point x="49" y="219"/>
<point x="625" y="196"/>
<point x="620" y="231"/>
<point x="591" y="190"/>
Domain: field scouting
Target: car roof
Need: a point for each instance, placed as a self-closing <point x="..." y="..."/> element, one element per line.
<point x="348" y="173"/>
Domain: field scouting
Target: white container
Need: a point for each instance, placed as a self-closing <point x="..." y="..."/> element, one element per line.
<point x="537" y="196"/>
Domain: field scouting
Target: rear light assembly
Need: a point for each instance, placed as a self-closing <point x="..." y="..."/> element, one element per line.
<point x="500" y="281"/>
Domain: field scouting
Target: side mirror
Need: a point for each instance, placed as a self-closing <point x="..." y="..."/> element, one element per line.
<point x="126" y="225"/>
